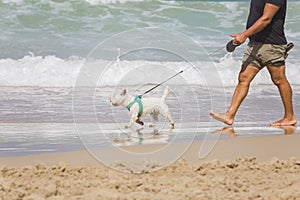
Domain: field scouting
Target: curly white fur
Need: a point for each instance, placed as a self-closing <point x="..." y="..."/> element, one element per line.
<point x="152" y="106"/>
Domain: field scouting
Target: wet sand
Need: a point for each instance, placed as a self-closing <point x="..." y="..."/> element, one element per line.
<point x="263" y="167"/>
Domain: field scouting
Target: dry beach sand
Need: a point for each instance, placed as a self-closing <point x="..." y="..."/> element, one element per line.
<point x="264" y="167"/>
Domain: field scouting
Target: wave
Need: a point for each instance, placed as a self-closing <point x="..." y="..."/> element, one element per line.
<point x="97" y="2"/>
<point x="66" y="28"/>
<point x="92" y="2"/>
<point x="51" y="71"/>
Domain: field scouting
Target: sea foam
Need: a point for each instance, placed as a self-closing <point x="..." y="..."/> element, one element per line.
<point x="52" y="71"/>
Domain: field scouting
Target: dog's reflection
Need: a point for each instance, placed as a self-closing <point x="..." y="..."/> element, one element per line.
<point x="142" y="136"/>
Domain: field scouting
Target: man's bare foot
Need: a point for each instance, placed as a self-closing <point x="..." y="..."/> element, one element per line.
<point x="222" y="118"/>
<point x="284" y="122"/>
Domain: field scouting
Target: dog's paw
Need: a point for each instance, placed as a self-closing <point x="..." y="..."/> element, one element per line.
<point x="127" y="126"/>
<point x="172" y="125"/>
<point x="152" y="125"/>
<point x="140" y="122"/>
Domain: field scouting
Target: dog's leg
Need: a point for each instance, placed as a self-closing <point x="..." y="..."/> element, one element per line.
<point x="168" y="116"/>
<point x="171" y="120"/>
<point x="154" y="119"/>
<point x="139" y="122"/>
<point x="133" y="119"/>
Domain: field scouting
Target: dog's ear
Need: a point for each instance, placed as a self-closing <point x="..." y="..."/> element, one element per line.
<point x="123" y="92"/>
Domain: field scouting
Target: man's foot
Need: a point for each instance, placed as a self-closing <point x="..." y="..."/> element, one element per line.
<point x="222" y="117"/>
<point x="284" y="122"/>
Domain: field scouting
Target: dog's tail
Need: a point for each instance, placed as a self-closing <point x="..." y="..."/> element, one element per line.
<point x="166" y="92"/>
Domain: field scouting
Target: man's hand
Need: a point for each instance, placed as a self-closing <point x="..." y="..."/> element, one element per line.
<point x="238" y="38"/>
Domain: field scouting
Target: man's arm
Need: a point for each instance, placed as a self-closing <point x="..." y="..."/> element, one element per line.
<point x="269" y="11"/>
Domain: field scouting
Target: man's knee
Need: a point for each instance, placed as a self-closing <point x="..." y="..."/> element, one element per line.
<point x="277" y="74"/>
<point x="244" y="79"/>
<point x="277" y="80"/>
<point x="247" y="74"/>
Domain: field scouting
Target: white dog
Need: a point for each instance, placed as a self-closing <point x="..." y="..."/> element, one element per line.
<point x="139" y="107"/>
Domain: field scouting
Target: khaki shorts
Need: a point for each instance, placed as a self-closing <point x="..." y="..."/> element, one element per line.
<point x="260" y="55"/>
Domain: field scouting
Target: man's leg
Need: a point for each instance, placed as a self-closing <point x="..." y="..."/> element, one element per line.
<point x="245" y="77"/>
<point x="279" y="79"/>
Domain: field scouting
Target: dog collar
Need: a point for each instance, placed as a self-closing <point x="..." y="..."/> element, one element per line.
<point x="137" y="100"/>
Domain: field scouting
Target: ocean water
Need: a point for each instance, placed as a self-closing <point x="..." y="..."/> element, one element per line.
<point x="61" y="60"/>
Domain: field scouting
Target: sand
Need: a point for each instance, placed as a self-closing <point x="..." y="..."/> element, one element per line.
<point x="264" y="167"/>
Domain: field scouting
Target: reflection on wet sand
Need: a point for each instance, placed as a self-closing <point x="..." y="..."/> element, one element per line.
<point x="229" y="130"/>
<point x="288" y="130"/>
<point x="154" y="136"/>
<point x="140" y="136"/>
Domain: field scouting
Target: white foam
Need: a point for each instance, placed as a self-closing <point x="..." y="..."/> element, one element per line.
<point x="17" y="2"/>
<point x="51" y="71"/>
<point x="229" y="69"/>
<point x="39" y="71"/>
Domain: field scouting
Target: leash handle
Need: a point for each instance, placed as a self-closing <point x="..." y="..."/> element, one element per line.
<point x="230" y="46"/>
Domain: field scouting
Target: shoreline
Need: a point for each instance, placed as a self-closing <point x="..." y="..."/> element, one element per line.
<point x="263" y="148"/>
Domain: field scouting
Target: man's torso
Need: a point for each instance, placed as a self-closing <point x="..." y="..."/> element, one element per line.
<point x="274" y="32"/>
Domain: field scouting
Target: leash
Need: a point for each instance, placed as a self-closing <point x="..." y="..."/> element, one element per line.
<point x="213" y="52"/>
<point x="230" y="47"/>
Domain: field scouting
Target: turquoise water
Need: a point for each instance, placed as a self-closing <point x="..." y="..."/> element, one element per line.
<point x="68" y="28"/>
<point x="47" y="41"/>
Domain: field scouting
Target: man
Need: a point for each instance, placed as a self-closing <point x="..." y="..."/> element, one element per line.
<point x="267" y="47"/>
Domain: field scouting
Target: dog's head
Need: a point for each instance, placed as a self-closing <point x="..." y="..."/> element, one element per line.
<point x="119" y="99"/>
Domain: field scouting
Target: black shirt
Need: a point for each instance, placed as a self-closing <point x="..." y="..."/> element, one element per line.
<point x="274" y="32"/>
